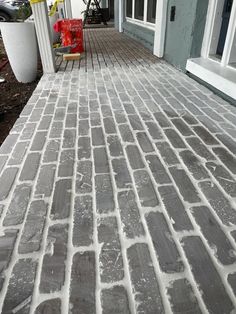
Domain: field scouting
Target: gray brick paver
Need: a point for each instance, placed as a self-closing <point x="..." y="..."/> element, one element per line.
<point x="20" y="288"/>
<point x="53" y="268"/>
<point x="7" y="243"/>
<point x="32" y="234"/>
<point x="49" y="306"/>
<point x="185" y="185"/>
<point x="220" y="204"/>
<point x="18" y="205"/>
<point x="17" y="154"/>
<point x="110" y="258"/>
<point x="145" y="285"/>
<point x="104" y="193"/>
<point x="6" y="181"/>
<point x="164" y="244"/>
<point x="118" y="181"/>
<point x="145" y="189"/>
<point x="83" y="283"/>
<point x="182" y="297"/>
<point x="130" y="215"/>
<point x="222" y="175"/>
<point x="83" y="221"/>
<point x="204" y="272"/>
<point x="115" y="300"/>
<point x="194" y="165"/>
<point x="214" y="235"/>
<point x="66" y="165"/>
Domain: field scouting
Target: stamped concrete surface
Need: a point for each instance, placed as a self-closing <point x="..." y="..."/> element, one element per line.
<point x="117" y="195"/>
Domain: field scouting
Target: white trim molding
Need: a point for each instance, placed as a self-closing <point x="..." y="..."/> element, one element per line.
<point x="160" y="28"/>
<point x="42" y="26"/>
<point x="141" y="23"/>
<point x="68" y="9"/>
<point x="121" y="17"/>
<point x="222" y="78"/>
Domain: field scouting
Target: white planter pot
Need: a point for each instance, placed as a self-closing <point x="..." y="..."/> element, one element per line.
<point x="21" y="47"/>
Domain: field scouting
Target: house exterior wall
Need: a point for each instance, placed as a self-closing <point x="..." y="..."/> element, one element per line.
<point x="199" y="28"/>
<point x="184" y="35"/>
<point x="139" y="33"/>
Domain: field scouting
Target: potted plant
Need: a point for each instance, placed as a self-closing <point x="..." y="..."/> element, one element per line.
<point x="20" y="43"/>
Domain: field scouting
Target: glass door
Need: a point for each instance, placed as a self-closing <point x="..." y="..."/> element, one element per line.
<point x="224" y="26"/>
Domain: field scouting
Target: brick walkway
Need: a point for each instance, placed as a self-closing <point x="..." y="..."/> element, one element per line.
<point x="105" y="48"/>
<point x="117" y="195"/>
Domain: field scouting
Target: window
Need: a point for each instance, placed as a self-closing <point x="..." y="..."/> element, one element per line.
<point x="151" y="11"/>
<point x="139" y="9"/>
<point x="129" y="8"/>
<point x="141" y="12"/>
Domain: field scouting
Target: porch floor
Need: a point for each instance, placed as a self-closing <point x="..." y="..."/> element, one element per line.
<point x="117" y="193"/>
<point x="104" y="47"/>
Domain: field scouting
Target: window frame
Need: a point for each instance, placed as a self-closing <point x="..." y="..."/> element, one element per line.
<point x="143" y="22"/>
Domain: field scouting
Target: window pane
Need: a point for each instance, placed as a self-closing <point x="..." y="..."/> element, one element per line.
<point x="139" y="8"/>
<point x="129" y="8"/>
<point x="151" y="11"/>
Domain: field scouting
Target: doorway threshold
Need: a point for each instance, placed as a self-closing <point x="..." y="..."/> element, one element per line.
<point x="213" y="73"/>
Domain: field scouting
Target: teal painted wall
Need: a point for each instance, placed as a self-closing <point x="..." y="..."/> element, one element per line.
<point x="143" y="35"/>
<point x="184" y="35"/>
<point x="199" y="27"/>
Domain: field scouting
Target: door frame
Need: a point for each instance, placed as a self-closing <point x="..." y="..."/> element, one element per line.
<point x="212" y="31"/>
<point x="160" y="28"/>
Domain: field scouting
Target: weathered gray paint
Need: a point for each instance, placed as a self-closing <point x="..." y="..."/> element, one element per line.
<point x="199" y="27"/>
<point x="184" y="35"/>
<point x="139" y="33"/>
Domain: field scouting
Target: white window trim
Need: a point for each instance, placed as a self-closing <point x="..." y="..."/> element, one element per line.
<point x="160" y="28"/>
<point x="141" y="23"/>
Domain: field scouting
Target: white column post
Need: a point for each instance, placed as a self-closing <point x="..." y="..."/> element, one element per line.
<point x="160" y="28"/>
<point x="41" y="20"/>
<point x="145" y="11"/>
<point x="121" y="10"/>
<point x="68" y="9"/>
<point x="133" y="8"/>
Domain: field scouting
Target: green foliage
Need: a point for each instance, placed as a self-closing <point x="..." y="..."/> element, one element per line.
<point x="24" y="12"/>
